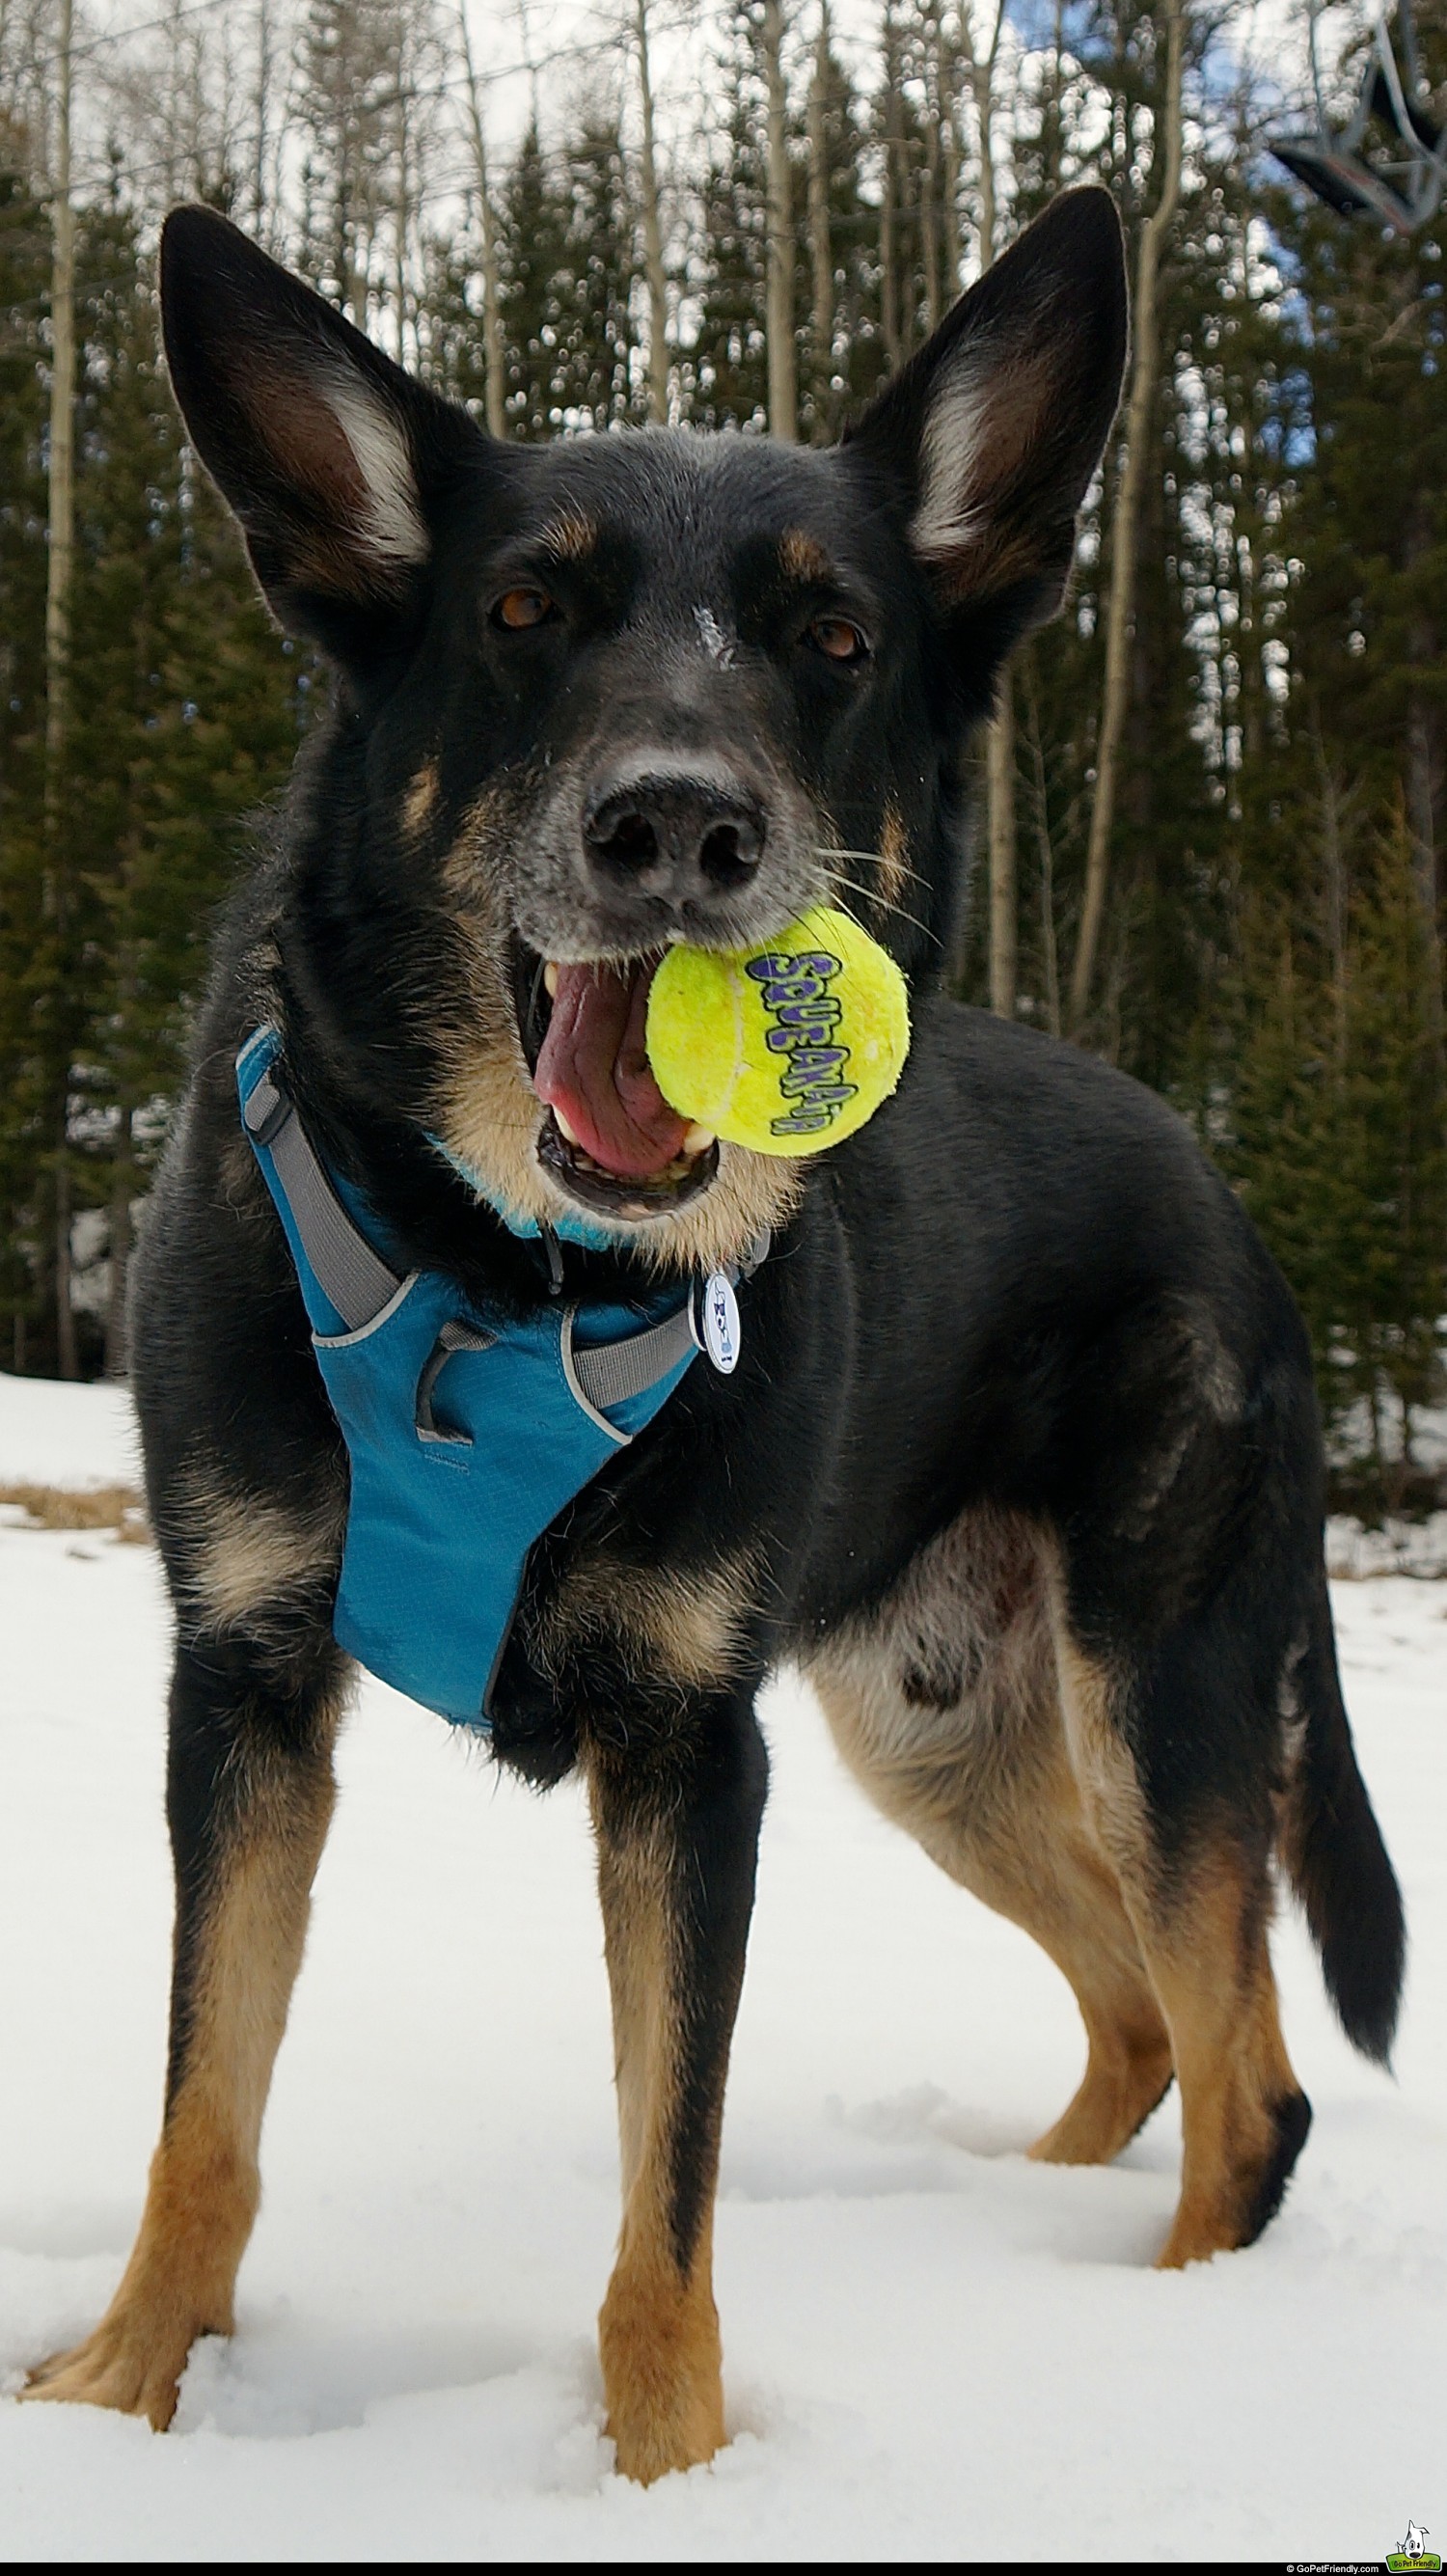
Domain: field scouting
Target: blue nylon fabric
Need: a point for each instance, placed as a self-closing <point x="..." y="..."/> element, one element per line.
<point x="438" y="1533"/>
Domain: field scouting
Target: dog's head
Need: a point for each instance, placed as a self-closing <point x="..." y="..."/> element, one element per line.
<point x="628" y="690"/>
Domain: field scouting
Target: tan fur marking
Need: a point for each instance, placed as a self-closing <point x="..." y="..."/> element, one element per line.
<point x="802" y="557"/>
<point x="658" y="2335"/>
<point x="640" y="1973"/>
<point x="572" y="536"/>
<point x="204" y="2183"/>
<point x="1217" y="1373"/>
<point x="894" y="867"/>
<point x="420" y="798"/>
<point x="658" y="2341"/>
<point x="252" y="1551"/>
<point x="1101" y="1762"/>
<point x="1212" y="1969"/>
<point x="686" y="1627"/>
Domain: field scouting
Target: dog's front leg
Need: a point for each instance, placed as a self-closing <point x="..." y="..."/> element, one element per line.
<point x="249" y="1796"/>
<point x="677" y="1816"/>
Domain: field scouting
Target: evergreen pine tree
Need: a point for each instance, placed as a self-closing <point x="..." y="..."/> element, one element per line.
<point x="534" y="229"/>
<point x="594" y="380"/>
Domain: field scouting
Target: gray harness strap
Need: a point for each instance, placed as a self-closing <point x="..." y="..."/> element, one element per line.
<point x="614" y="1371"/>
<point x="353" y="1276"/>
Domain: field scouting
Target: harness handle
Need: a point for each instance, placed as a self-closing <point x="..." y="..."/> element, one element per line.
<point x="454" y="1336"/>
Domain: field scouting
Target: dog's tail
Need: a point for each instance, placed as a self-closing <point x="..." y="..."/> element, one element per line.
<point x="1336" y="1859"/>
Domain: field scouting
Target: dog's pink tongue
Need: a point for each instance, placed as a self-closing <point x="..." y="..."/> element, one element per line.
<point x="594" y="1068"/>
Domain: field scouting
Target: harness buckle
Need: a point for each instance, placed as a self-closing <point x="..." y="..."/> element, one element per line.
<point x="267" y="1109"/>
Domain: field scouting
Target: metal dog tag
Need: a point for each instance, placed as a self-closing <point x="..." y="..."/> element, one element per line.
<point x="719" y="1318"/>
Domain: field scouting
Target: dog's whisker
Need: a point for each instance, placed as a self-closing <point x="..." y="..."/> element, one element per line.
<point x="874" y="894"/>
<point x="875" y="858"/>
<point x="868" y="894"/>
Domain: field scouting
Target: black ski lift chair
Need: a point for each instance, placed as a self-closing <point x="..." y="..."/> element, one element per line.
<point x="1402" y="186"/>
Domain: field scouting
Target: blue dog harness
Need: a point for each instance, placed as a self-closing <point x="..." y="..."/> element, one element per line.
<point x="467" y="1433"/>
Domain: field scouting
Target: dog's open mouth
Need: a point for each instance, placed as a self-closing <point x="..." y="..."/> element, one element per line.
<point x="610" y="1139"/>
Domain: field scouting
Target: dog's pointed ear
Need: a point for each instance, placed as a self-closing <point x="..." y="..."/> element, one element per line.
<point x="988" y="438"/>
<point x="327" y="452"/>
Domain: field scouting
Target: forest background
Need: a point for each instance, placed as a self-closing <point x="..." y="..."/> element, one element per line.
<point x="1214" y="802"/>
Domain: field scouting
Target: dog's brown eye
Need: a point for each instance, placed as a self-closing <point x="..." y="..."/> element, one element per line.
<point x="838" y="638"/>
<point x="518" y="609"/>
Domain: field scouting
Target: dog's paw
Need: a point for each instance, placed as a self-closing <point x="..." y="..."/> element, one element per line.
<point x="126" y="2364"/>
<point x="679" y="2436"/>
<point x="659" y="2346"/>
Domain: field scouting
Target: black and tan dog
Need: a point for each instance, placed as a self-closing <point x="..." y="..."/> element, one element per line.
<point x="1021" y="1460"/>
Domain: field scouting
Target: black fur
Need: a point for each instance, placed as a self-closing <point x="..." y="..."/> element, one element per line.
<point x="1021" y="1285"/>
<point x="1293" y="2122"/>
<point x="1339" y="1866"/>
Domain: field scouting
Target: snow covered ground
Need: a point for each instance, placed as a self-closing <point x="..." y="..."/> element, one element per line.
<point x="934" y="2350"/>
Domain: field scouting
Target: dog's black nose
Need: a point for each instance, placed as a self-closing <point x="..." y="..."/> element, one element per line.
<point x="664" y="833"/>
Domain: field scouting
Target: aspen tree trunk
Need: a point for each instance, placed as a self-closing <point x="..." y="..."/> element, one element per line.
<point x="62" y="447"/>
<point x="652" y="233"/>
<point x="783" y="398"/>
<point x="982" y="84"/>
<point x="820" y="250"/>
<point x="403" y="223"/>
<point x="1049" y="948"/>
<point x="61" y="503"/>
<point x="263" y="90"/>
<point x="890" y="200"/>
<point x="929" y="212"/>
<point x="929" y="232"/>
<point x="1000" y="758"/>
<point x="945" y="83"/>
<point x="494" y="355"/>
<point x="1125" y="534"/>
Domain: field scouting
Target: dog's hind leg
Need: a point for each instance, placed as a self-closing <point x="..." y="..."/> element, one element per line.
<point x="1018" y="1839"/>
<point x="1195" y="1882"/>
<point x="1036" y="1864"/>
<point x="945" y="1705"/>
<point x="677" y="1820"/>
<point x="249" y="1795"/>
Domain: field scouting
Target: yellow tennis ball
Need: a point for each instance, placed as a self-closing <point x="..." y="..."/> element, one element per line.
<point x="788" y="1047"/>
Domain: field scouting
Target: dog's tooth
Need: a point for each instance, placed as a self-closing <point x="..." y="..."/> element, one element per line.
<point x="696" y="1139"/>
<point x="564" y="1130"/>
<point x="551" y="972"/>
